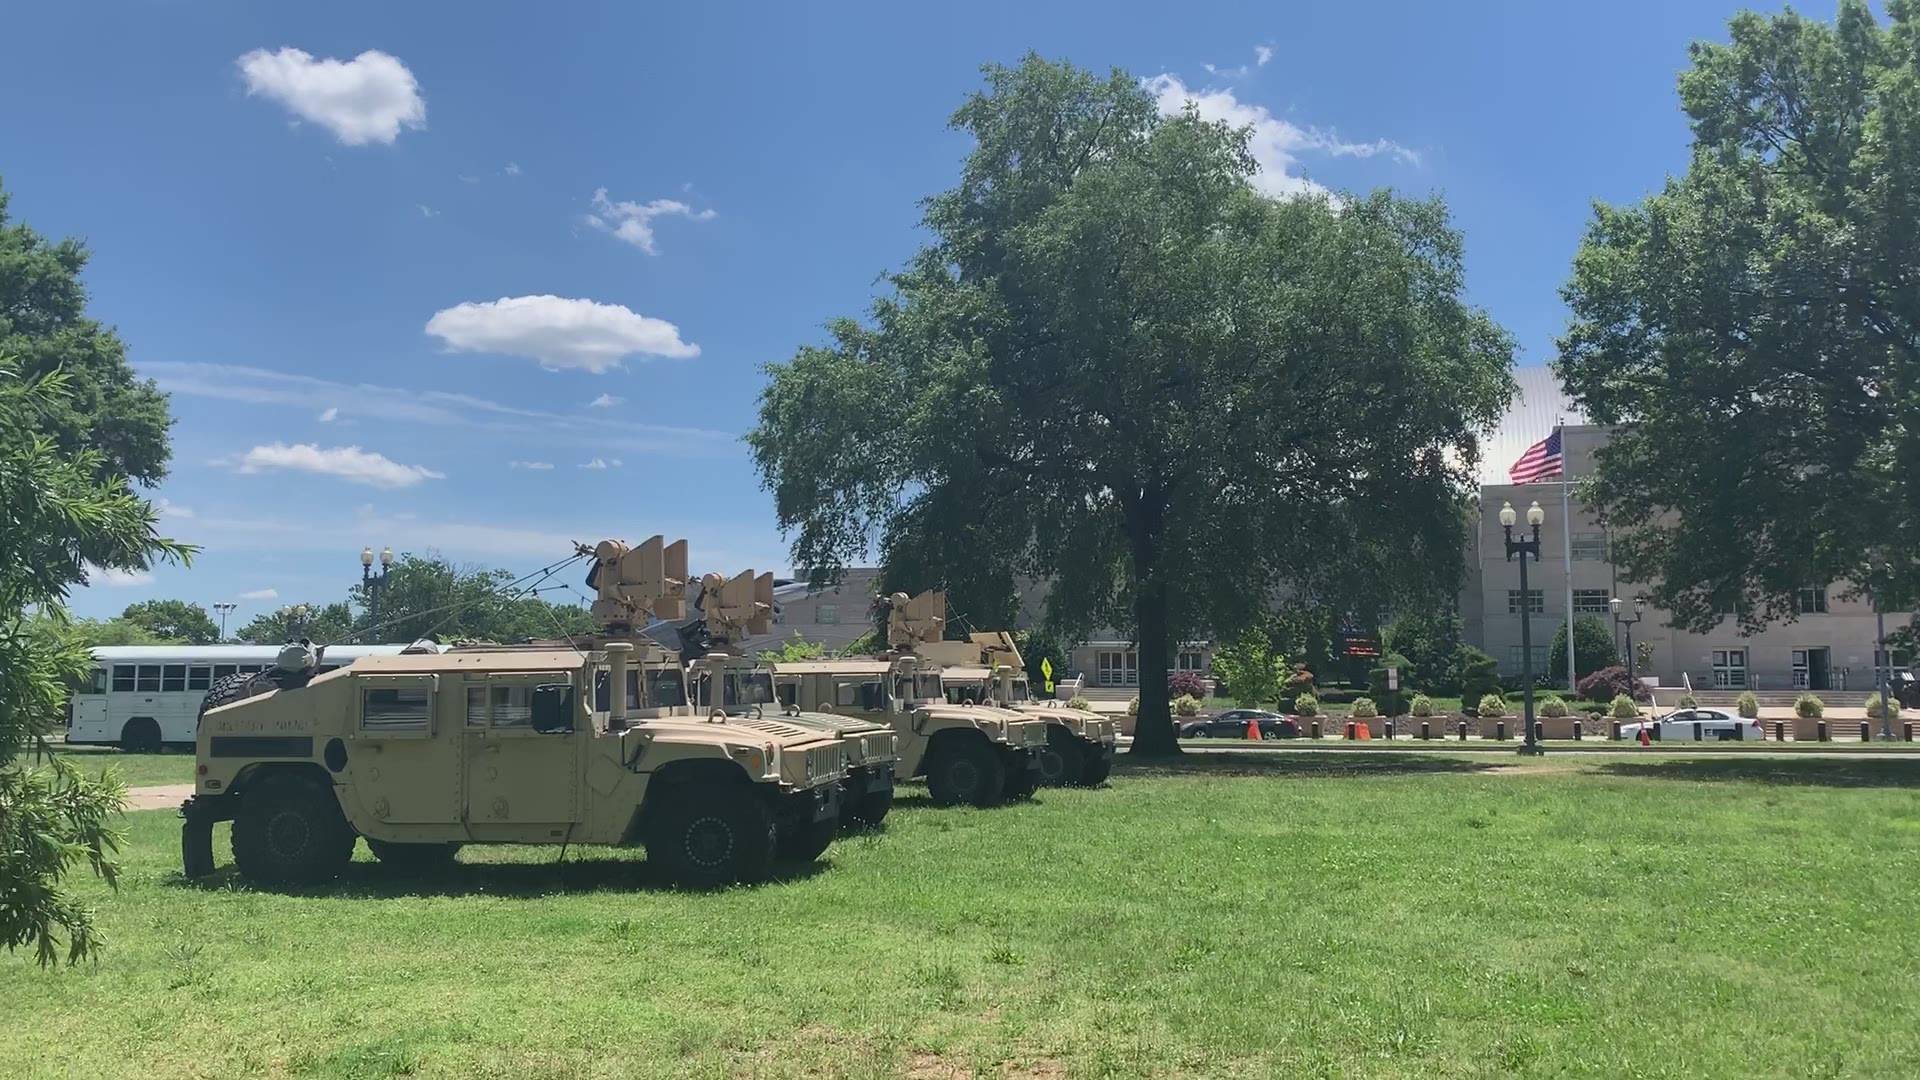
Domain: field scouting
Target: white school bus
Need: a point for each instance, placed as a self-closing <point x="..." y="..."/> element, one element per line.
<point x="141" y="697"/>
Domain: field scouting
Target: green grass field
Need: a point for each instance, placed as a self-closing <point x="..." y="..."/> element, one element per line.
<point x="1310" y="915"/>
<point x="136" y="770"/>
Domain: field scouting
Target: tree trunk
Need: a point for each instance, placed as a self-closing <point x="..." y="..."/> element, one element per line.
<point x="1153" y="733"/>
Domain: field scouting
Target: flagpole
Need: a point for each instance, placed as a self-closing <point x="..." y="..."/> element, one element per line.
<point x="1566" y="532"/>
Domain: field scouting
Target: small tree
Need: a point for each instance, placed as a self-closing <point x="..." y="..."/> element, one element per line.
<point x="1251" y="667"/>
<point x="1748" y="705"/>
<point x="1552" y="707"/>
<point x="1389" y="702"/>
<point x="1493" y="706"/>
<point x="1874" y="711"/>
<point x="1476" y="673"/>
<point x="1624" y="708"/>
<point x="1186" y="705"/>
<point x="1426" y="641"/>
<point x="1809" y="707"/>
<point x="1422" y="705"/>
<point x="1605" y="684"/>
<point x="794" y="649"/>
<point x="1364" y="709"/>
<point x="1186" y="684"/>
<point x="1306" y="705"/>
<point x="1593" y="647"/>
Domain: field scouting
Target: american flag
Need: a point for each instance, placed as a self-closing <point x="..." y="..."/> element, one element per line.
<point x="1541" y="461"/>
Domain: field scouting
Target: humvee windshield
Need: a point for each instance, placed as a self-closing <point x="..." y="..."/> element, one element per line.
<point x="1020" y="691"/>
<point x="738" y="690"/>
<point x="666" y="689"/>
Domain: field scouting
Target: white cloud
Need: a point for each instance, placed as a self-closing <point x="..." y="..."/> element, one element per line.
<point x="601" y="463"/>
<point x="437" y="408"/>
<point x="559" y="332"/>
<point x="605" y="401"/>
<point x="1276" y="144"/>
<point x="536" y="465"/>
<point x="331" y="414"/>
<point x="167" y="508"/>
<point x="466" y="179"/>
<point x="346" y="462"/>
<point x="427" y="211"/>
<point x="1262" y="54"/>
<point x="366" y="99"/>
<point x="633" y="222"/>
<point x="512" y="169"/>
<point x="117" y="579"/>
<point x="261" y="594"/>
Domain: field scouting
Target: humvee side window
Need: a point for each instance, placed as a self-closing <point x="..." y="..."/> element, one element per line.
<point x="512" y="706"/>
<point x="861" y="695"/>
<point x="399" y="709"/>
<point x="665" y="690"/>
<point x="789" y="694"/>
<point x="476" y="706"/>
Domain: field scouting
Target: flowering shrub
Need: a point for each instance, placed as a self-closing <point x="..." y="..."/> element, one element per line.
<point x="1609" y="683"/>
<point x="1363" y="709"/>
<point x="1186" y="684"/>
<point x="1493" y="706"/>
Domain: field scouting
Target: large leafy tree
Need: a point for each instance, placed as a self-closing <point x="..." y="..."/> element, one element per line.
<point x="57" y="517"/>
<point x="427" y="596"/>
<point x="324" y="623"/>
<point x="1593" y="647"/>
<point x="43" y="324"/>
<point x="175" y="620"/>
<point x="1119" y="368"/>
<point x="1755" y="326"/>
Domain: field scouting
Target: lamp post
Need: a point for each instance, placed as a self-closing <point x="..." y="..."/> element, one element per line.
<point x="223" y="607"/>
<point x="1524" y="548"/>
<point x="1639" y="612"/>
<point x="374" y="584"/>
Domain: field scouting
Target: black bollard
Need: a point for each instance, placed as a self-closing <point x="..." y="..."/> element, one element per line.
<point x="1389" y="729"/>
<point x="1866" y="732"/>
<point x="1696" y="731"/>
<point x="1779" y="731"/>
<point x="1576" y="731"/>
<point x="1906" y="732"/>
<point x="1539" y="731"/>
<point x="1426" y="730"/>
<point x="1500" y="731"/>
<point x="1316" y="729"/>
<point x="1463" y="731"/>
<point x="1820" y="731"/>
<point x="1616" y="731"/>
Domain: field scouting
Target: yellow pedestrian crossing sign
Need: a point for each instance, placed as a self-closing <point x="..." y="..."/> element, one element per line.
<point x="1046" y="673"/>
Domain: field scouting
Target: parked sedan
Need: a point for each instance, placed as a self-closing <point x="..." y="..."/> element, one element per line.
<point x="1678" y="726"/>
<point x="1232" y="724"/>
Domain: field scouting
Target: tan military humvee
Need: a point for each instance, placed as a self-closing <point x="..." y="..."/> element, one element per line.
<point x="1080" y="743"/>
<point x="731" y="611"/>
<point x="968" y="753"/>
<point x="421" y="754"/>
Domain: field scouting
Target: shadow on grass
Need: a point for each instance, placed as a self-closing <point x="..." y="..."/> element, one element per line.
<point x="1319" y="763"/>
<point x="527" y="880"/>
<point x="1824" y="772"/>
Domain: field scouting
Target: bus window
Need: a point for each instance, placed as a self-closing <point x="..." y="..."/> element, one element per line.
<point x="149" y="678"/>
<point x="249" y="669"/>
<point x="199" y="678"/>
<point x="221" y="671"/>
<point x="99" y="685"/>
<point x="174" y="677"/>
<point x="123" y="677"/>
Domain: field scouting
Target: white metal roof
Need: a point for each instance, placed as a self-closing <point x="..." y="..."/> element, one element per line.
<point x="225" y="654"/>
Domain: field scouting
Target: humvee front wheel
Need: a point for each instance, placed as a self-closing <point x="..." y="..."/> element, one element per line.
<point x="1062" y="760"/>
<point x="413" y="858"/>
<point x="965" y="770"/>
<point x="869" y="810"/>
<point x="706" y="837"/>
<point x="1022" y="778"/>
<point x="289" y="831"/>
<point x="1096" y="770"/>
<point x="807" y="842"/>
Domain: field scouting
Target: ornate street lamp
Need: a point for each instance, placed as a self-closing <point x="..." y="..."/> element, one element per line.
<point x="374" y="584"/>
<point x="296" y="616"/>
<point x="1639" y="610"/>
<point x="1523" y="548"/>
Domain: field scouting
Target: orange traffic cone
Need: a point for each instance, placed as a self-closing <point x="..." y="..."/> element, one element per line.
<point x="1645" y="740"/>
<point x="1253" y="730"/>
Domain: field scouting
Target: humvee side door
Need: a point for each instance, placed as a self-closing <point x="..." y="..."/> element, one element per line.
<point x="515" y="774"/>
<point x="406" y="755"/>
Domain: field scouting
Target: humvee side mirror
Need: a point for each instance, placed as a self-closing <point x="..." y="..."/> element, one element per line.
<point x="553" y="709"/>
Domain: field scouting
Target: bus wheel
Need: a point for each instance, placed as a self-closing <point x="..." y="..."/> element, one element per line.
<point x="140" y="736"/>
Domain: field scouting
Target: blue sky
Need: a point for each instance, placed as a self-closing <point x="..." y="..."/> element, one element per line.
<point x="314" y="258"/>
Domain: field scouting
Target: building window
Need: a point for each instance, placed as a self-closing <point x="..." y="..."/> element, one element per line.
<point x="1730" y="669"/>
<point x="1516" y="658"/>
<point x="827" y="614"/>
<point x="1810" y="601"/>
<point x="1189" y="660"/>
<point x="123" y="677"/>
<point x="1590" y="602"/>
<point x="1117" y="668"/>
<point x="1590" y="546"/>
<point x="1536" y="601"/>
